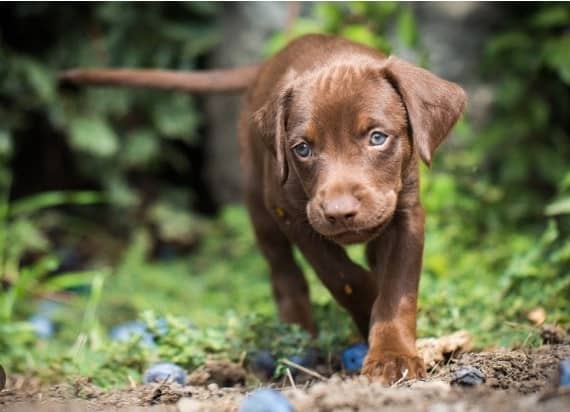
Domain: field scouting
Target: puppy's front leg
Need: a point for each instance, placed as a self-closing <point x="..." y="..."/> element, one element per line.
<point x="352" y="286"/>
<point x="397" y="260"/>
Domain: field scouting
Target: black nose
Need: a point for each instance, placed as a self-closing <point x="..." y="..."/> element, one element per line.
<point x="340" y="209"/>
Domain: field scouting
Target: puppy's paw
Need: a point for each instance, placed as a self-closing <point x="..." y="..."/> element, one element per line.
<point x="389" y="367"/>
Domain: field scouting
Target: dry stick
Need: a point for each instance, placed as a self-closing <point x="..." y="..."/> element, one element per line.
<point x="401" y="379"/>
<point x="291" y="380"/>
<point x="310" y="372"/>
<point x="132" y="382"/>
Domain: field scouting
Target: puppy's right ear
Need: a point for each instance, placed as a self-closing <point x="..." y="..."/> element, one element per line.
<point x="271" y="122"/>
<point x="434" y="105"/>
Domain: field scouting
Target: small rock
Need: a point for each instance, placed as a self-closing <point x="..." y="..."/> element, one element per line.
<point x="353" y="356"/>
<point x="165" y="371"/>
<point x="266" y="400"/>
<point x="213" y="387"/>
<point x="43" y="327"/>
<point x="126" y="331"/>
<point x="262" y="363"/>
<point x="564" y="368"/>
<point x="468" y="376"/>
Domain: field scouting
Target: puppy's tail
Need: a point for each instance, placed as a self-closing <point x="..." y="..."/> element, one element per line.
<point x="228" y="81"/>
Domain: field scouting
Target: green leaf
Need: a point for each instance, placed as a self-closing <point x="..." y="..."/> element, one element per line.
<point x="329" y="14"/>
<point x="559" y="207"/>
<point x="40" y="79"/>
<point x="69" y="280"/>
<point x="176" y="118"/>
<point x="556" y="54"/>
<point x="552" y="16"/>
<point x="24" y="236"/>
<point x="140" y="148"/>
<point x="302" y="26"/>
<point x="6" y="145"/>
<point x="93" y="135"/>
<point x="407" y="28"/>
<point x="34" y="203"/>
<point x="360" y="34"/>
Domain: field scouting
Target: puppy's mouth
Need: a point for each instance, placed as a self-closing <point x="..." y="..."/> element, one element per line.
<point x="352" y="236"/>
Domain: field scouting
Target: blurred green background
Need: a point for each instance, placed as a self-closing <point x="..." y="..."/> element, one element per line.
<point x="107" y="211"/>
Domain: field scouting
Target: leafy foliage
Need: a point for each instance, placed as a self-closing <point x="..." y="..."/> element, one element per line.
<point x="498" y="200"/>
<point x="125" y="143"/>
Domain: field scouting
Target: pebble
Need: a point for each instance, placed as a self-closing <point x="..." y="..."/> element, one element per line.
<point x="468" y="376"/>
<point x="564" y="380"/>
<point x="265" y="400"/>
<point x="353" y="356"/>
<point x="213" y="387"/>
<point x="165" y="371"/>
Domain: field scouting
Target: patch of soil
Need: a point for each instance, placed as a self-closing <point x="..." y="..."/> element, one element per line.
<point x="521" y="380"/>
<point x="220" y="372"/>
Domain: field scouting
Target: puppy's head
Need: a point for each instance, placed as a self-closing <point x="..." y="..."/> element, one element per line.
<point x="349" y="133"/>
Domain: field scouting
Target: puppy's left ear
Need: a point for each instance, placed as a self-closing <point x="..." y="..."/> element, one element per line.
<point x="434" y="105"/>
<point x="270" y="121"/>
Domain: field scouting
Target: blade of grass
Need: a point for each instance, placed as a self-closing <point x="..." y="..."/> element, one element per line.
<point x="32" y="204"/>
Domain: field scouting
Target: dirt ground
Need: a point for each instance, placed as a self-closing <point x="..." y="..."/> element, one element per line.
<point x="516" y="380"/>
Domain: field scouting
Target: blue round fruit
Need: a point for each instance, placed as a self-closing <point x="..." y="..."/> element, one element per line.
<point x="42" y="320"/>
<point x="263" y="363"/>
<point x="353" y="357"/>
<point x="265" y="400"/>
<point x="43" y="326"/>
<point x="126" y="331"/>
<point x="165" y="371"/>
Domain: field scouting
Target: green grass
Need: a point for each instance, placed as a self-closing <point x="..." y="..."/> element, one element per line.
<point x="222" y="288"/>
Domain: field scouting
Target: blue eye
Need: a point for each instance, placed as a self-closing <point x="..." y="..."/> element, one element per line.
<point x="378" y="139"/>
<point x="303" y="150"/>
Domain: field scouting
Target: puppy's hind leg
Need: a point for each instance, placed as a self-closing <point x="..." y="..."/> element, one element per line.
<point x="290" y="289"/>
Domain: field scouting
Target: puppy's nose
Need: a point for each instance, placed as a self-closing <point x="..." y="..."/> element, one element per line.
<point x="340" y="209"/>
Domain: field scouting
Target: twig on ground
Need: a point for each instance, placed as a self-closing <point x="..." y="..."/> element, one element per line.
<point x="132" y="382"/>
<point x="310" y="372"/>
<point x="401" y="379"/>
<point x="290" y="376"/>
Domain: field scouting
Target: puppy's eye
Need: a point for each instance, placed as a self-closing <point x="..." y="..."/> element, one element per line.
<point x="302" y="150"/>
<point x="377" y="138"/>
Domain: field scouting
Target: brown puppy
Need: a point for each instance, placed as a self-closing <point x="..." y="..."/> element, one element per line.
<point x="330" y="136"/>
<point x="333" y="130"/>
